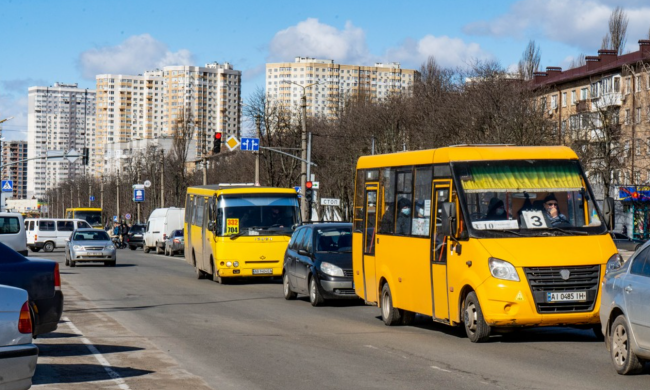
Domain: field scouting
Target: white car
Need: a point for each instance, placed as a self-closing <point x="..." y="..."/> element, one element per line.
<point x="18" y="355"/>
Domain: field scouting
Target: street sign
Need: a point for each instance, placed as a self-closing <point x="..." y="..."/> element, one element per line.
<point x="330" y="202"/>
<point x="232" y="143"/>
<point x="147" y="183"/>
<point x="127" y="216"/>
<point x="250" y="144"/>
<point x="115" y="218"/>
<point x="92" y="198"/>
<point x="72" y="155"/>
<point x="315" y="185"/>
<point x="55" y="155"/>
<point x="7" y="186"/>
<point x="138" y="195"/>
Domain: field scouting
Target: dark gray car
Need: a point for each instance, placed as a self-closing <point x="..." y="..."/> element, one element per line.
<point x="626" y="243"/>
<point x="318" y="263"/>
<point x="175" y="243"/>
<point x="625" y="311"/>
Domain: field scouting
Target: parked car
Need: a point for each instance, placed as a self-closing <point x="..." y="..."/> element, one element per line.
<point x="625" y="311"/>
<point x="41" y="279"/>
<point x="175" y="243"/>
<point x="160" y="225"/>
<point x="134" y="238"/>
<point x="318" y="263"/>
<point x="12" y="232"/>
<point x="50" y="233"/>
<point x="90" y="245"/>
<point x="18" y="355"/>
<point x="626" y="243"/>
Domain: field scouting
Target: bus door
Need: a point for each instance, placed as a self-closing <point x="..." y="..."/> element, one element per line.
<point x="205" y="239"/>
<point x="189" y="212"/>
<point x="439" y="252"/>
<point x="369" y="242"/>
<point x="208" y="235"/>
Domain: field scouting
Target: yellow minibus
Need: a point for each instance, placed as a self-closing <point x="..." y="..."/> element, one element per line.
<point x="488" y="237"/>
<point x="91" y="215"/>
<point x="238" y="231"/>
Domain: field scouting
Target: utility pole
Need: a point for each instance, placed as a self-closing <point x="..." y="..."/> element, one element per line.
<point x="205" y="172"/>
<point x="257" y="154"/>
<point x="78" y="195"/>
<point x="101" y="194"/>
<point x="90" y="192"/>
<point x="118" y="196"/>
<point x="71" y="197"/>
<point x="162" y="179"/>
<point x="138" y="182"/>
<point x="303" y="165"/>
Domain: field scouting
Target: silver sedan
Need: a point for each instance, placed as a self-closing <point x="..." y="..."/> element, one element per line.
<point x="625" y="311"/>
<point x="89" y="245"/>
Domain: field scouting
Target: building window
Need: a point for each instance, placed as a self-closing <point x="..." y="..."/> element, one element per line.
<point x="627" y="116"/>
<point x="628" y="85"/>
<point x="617" y="84"/>
<point x="583" y="94"/>
<point x="563" y="99"/>
<point x="573" y="97"/>
<point x="637" y="84"/>
<point x="553" y="101"/>
<point x="638" y="115"/>
<point x="637" y="147"/>
<point x="637" y="178"/>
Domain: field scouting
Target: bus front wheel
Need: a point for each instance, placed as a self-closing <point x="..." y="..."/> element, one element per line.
<point x="475" y="326"/>
<point x="390" y="315"/>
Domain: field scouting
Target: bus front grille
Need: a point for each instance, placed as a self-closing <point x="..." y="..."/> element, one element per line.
<point x="545" y="280"/>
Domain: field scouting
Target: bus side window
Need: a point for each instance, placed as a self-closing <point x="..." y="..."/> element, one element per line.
<point x="440" y="240"/>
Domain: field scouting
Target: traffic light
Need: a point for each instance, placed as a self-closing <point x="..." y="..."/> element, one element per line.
<point x="85" y="156"/>
<point x="309" y="191"/>
<point x="216" y="147"/>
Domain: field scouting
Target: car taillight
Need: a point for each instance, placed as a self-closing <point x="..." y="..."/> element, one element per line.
<point x="57" y="278"/>
<point x="35" y="237"/>
<point x="176" y="240"/>
<point x="25" y="320"/>
<point x="164" y="236"/>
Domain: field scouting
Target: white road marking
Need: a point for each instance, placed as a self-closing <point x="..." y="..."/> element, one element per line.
<point x="441" y="369"/>
<point x="100" y="358"/>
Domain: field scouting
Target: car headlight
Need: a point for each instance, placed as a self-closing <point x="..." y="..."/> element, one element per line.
<point x="501" y="269"/>
<point x="110" y="247"/>
<point x="77" y="247"/>
<point x="331" y="269"/>
<point x="614" y="262"/>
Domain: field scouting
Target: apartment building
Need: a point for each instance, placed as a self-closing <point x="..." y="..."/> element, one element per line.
<point x="327" y="85"/>
<point x="152" y="106"/>
<point x="15" y="153"/>
<point x="59" y="118"/>
<point x="602" y="110"/>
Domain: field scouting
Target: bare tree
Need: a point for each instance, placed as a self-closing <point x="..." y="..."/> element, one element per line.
<point x="530" y="60"/>
<point x="616" y="35"/>
<point x="578" y="61"/>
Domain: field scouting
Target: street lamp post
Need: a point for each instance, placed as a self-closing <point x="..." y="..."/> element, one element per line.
<point x="303" y="146"/>
<point x="2" y="200"/>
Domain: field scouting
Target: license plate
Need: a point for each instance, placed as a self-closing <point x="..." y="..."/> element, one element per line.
<point x="262" y="271"/>
<point x="96" y="254"/>
<point x="566" y="296"/>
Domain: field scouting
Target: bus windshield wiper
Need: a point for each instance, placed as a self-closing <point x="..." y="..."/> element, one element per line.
<point x="241" y="233"/>
<point x="557" y="229"/>
<point x="516" y="233"/>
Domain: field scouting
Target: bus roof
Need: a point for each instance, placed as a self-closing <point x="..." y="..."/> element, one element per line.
<point x="467" y="153"/>
<point x="83" y="209"/>
<point x="229" y="189"/>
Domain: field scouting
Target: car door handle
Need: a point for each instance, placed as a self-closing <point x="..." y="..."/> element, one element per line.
<point x="628" y="289"/>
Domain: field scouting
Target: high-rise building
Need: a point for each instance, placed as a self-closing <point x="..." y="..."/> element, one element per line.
<point x="62" y="118"/>
<point x="15" y="153"/>
<point x="327" y="85"/>
<point x="151" y="106"/>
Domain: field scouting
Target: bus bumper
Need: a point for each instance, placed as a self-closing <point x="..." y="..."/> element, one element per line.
<point x="265" y="271"/>
<point x="511" y="304"/>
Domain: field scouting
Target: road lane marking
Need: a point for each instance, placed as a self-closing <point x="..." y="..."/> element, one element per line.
<point x="441" y="369"/>
<point x="100" y="358"/>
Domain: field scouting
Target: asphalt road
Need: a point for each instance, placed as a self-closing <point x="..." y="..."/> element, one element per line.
<point x="148" y="323"/>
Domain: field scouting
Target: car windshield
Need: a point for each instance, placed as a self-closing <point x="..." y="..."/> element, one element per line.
<point x="136" y="229"/>
<point x="257" y="215"/>
<point x="178" y="233"/>
<point x="527" y="198"/>
<point x="97" y="235"/>
<point x="334" y="239"/>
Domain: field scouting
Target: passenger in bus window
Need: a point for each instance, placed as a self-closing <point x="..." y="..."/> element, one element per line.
<point x="496" y="210"/>
<point x="552" y="211"/>
<point x="404" y="217"/>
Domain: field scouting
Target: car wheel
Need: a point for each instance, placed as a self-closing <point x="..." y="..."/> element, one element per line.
<point x="107" y="263"/>
<point x="475" y="326"/>
<point x="34" y="249"/>
<point x="67" y="259"/>
<point x="288" y="294"/>
<point x="48" y="247"/>
<point x="389" y="314"/>
<point x="315" y="296"/>
<point x="146" y="249"/>
<point x="159" y="250"/>
<point x="73" y="263"/>
<point x="132" y="247"/>
<point x="624" y="359"/>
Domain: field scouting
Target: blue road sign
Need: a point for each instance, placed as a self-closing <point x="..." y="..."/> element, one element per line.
<point x="138" y="195"/>
<point x="7" y="186"/>
<point x="92" y="198"/>
<point x="250" y="144"/>
<point x="115" y="218"/>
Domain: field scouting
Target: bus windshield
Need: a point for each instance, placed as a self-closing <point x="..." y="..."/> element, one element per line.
<point x="526" y="198"/>
<point x="94" y="218"/>
<point x="257" y="215"/>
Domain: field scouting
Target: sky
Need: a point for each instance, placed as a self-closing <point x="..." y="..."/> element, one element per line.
<point x="71" y="41"/>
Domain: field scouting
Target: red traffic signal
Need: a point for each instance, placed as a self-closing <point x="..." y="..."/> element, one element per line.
<point x="309" y="185"/>
<point x="216" y="146"/>
<point x="217" y="136"/>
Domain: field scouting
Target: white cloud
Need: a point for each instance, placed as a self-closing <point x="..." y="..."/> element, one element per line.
<point x="448" y="52"/>
<point x="133" y="56"/>
<point x="310" y="38"/>
<point x="580" y="23"/>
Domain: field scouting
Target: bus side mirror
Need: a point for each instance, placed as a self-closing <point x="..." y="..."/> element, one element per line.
<point x="448" y="222"/>
<point x="211" y="226"/>
<point x="609" y="213"/>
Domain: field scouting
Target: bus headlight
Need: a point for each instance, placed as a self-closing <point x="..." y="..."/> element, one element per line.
<point x="501" y="269"/>
<point x="331" y="269"/>
<point x="228" y="264"/>
<point x="236" y="263"/>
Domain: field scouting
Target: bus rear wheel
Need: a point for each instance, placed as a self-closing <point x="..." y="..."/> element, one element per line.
<point x="475" y="326"/>
<point x="199" y="273"/>
<point x="390" y="315"/>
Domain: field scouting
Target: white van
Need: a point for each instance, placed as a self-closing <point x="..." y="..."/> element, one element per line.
<point x="12" y="232"/>
<point x="50" y="233"/>
<point x="160" y="225"/>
